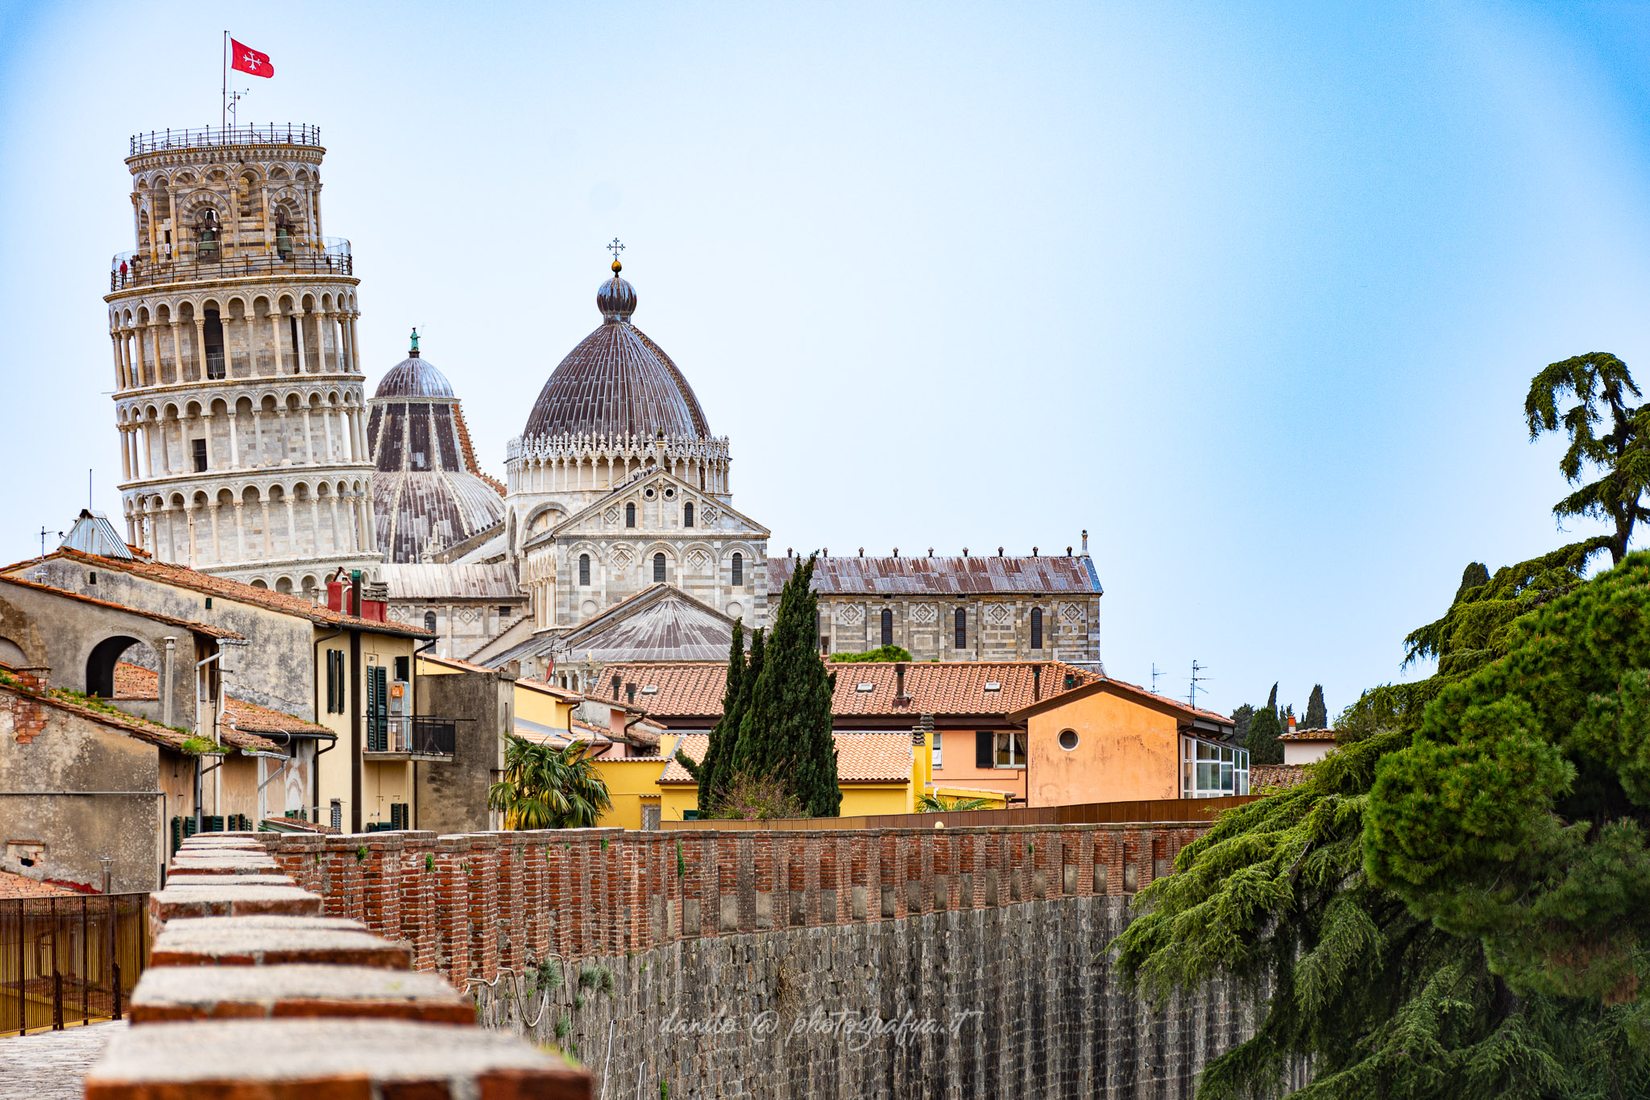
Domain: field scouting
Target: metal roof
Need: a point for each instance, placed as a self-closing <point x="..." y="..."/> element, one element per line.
<point x="92" y="533"/>
<point x="420" y="581"/>
<point x="945" y="576"/>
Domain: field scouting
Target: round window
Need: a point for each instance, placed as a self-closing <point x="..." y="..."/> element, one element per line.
<point x="670" y="494"/>
<point x="648" y="492"/>
<point x="1068" y="739"/>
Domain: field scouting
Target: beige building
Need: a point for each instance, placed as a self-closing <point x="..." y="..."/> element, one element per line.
<point x="238" y="388"/>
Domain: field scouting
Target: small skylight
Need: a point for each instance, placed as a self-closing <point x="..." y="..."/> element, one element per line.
<point x="865" y="687"/>
<point x="993" y="685"/>
<point x="651" y="689"/>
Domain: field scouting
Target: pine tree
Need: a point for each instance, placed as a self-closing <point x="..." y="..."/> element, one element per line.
<point x="1317" y="711"/>
<point x="785" y="731"/>
<point x="1263" y="744"/>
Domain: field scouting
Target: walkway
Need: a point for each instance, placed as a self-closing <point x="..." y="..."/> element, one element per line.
<point x="50" y="1065"/>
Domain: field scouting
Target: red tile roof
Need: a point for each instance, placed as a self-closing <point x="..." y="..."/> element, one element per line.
<point x="130" y="724"/>
<point x="20" y="886"/>
<point x="135" y="682"/>
<point x="693" y="689"/>
<point x="1275" y="777"/>
<point x="63" y="593"/>
<point x="860" y="758"/>
<point x="210" y="585"/>
<point x="1123" y="687"/>
<point x="1308" y="735"/>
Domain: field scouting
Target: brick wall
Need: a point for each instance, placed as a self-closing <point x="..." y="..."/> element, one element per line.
<point x="472" y="903"/>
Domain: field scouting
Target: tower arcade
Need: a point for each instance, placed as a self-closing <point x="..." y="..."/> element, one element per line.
<point x="238" y="385"/>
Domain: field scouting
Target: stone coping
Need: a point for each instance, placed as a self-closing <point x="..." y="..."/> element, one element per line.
<point x="272" y="940"/>
<point x="338" y="1059"/>
<point x="233" y="901"/>
<point x="193" y="993"/>
<point x="194" y="878"/>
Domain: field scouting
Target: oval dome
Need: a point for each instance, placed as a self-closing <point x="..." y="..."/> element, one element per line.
<point x="414" y="377"/>
<point x="617" y="382"/>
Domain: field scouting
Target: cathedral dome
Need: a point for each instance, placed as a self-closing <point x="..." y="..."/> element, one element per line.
<point x="617" y="382"/>
<point x="428" y="493"/>
<point x="414" y="376"/>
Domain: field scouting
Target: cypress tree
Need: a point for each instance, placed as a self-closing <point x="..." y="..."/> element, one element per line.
<point x="1241" y="718"/>
<point x="1263" y="744"/>
<point x="1317" y="711"/>
<point x="785" y="731"/>
<point x="711" y="774"/>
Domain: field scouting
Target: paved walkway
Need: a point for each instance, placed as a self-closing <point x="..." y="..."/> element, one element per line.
<point x="50" y="1065"/>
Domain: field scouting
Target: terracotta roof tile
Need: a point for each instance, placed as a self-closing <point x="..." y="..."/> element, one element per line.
<point x="1309" y="735"/>
<point x="1268" y="777"/>
<point x="860" y="757"/>
<point x="130" y="724"/>
<point x="134" y="682"/>
<point x="210" y="585"/>
<point x="21" y="886"/>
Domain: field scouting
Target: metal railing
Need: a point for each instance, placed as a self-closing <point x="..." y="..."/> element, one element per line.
<point x="421" y="736"/>
<point x="327" y="256"/>
<point x="70" y="959"/>
<point x="276" y="133"/>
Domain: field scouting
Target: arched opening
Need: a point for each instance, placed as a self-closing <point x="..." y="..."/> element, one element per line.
<point x="429" y="621"/>
<point x="584" y="569"/>
<point x="100" y="664"/>
<point x="11" y="654"/>
<point x="961" y="620"/>
<point x="738" y="569"/>
<point x="887" y="627"/>
<point x="630" y="515"/>
<point x="1036" y="628"/>
<point x="687" y="514"/>
<point x="658" y="568"/>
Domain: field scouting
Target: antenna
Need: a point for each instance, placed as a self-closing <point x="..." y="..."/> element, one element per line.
<point x="43" y="534"/>
<point x="1156" y="672"/>
<point x="1196" y="680"/>
<point x="89" y="507"/>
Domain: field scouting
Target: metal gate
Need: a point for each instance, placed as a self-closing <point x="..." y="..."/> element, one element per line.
<point x="70" y="959"/>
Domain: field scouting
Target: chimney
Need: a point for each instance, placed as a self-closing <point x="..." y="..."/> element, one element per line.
<point x="1085" y="540"/>
<point x="1036" y="682"/>
<point x="1291" y="724"/>
<point x="355" y="592"/>
<point x="900" y="699"/>
<point x="630" y="693"/>
<point x="615" y="687"/>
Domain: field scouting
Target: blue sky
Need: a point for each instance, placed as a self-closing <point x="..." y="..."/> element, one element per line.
<point x="1251" y="292"/>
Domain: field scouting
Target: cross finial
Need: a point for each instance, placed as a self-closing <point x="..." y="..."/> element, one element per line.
<point x="616" y="246"/>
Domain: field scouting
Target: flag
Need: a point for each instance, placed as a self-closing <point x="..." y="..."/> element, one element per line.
<point x="248" y="60"/>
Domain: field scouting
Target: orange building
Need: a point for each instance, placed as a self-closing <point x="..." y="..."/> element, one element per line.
<point x="1111" y="741"/>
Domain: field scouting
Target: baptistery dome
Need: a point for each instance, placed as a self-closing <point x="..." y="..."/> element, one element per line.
<point x="617" y="383"/>
<point x="428" y="493"/>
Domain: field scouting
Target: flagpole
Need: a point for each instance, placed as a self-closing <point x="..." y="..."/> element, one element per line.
<point x="223" y="95"/>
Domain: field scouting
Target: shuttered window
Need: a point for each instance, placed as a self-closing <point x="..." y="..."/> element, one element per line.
<point x="378" y="709"/>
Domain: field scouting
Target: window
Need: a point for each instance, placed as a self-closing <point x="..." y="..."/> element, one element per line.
<point x="1210" y="770"/>
<point x="1011" y="750"/>
<point x="335" y="681"/>
<point x="199" y="446"/>
<point x="658" y="568"/>
<point x="1036" y="628"/>
<point x="584" y="568"/>
<point x="429" y="621"/>
<point x="961" y="619"/>
<point x="738" y="569"/>
<point x="630" y="515"/>
<point x="937" y="753"/>
<point x="378" y="709"/>
<point x="887" y="627"/>
<point x="1068" y="739"/>
<point x="687" y="514"/>
<point x="403" y="669"/>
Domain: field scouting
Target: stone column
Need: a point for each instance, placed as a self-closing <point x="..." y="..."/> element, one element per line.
<point x="309" y="439"/>
<point x="354" y="346"/>
<point x="279" y="330"/>
<point x="177" y="352"/>
<point x="291" y="527"/>
<point x="345" y="351"/>
<point x="240" y="530"/>
<point x="200" y="349"/>
<point x="302" y="316"/>
<point x="206" y="434"/>
<point x="269" y="550"/>
<point x="142" y="367"/>
<point x="234" y="444"/>
<point x="257" y="437"/>
<point x="326" y="426"/>
<point x="338" y="541"/>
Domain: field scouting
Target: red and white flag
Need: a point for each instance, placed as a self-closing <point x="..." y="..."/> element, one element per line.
<point x="248" y="60"/>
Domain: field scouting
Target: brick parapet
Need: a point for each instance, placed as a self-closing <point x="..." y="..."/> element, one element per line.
<point x="470" y="905"/>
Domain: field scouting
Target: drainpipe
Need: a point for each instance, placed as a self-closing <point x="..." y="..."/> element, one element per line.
<point x="355" y="765"/>
<point x="168" y="644"/>
<point x="315" y="776"/>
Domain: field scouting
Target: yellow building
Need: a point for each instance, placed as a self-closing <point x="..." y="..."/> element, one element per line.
<point x="879" y="773"/>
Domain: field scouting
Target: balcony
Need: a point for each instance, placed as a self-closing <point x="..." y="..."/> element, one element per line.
<point x="276" y="133"/>
<point x="223" y="260"/>
<point x="402" y="738"/>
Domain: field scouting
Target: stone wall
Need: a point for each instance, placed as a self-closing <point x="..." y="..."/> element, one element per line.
<point x="891" y="962"/>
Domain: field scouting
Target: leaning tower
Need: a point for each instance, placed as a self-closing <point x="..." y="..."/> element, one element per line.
<point x="238" y="386"/>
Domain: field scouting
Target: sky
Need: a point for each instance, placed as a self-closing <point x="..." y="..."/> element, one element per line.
<point x="1250" y="292"/>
